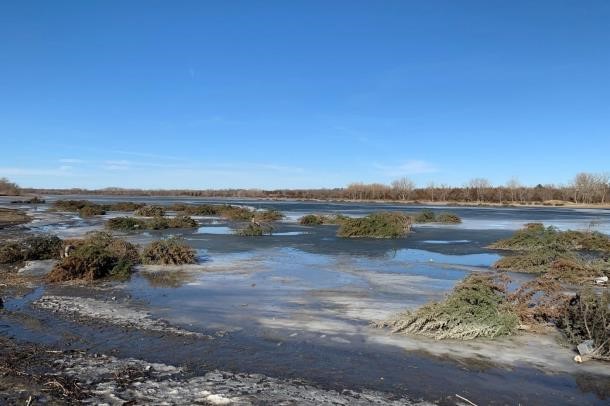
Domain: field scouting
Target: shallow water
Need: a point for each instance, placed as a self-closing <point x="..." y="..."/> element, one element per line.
<point x="478" y="218"/>
<point x="299" y="303"/>
<point x="215" y="230"/>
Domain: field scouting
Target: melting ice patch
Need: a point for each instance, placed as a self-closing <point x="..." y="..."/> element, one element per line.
<point x="291" y="233"/>
<point x="446" y="241"/>
<point x="220" y="230"/>
<point x="415" y="255"/>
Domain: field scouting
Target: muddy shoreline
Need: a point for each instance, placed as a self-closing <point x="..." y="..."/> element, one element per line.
<point x="416" y="374"/>
<point x="31" y="374"/>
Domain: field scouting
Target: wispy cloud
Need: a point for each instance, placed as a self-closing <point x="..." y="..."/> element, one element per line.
<point x="123" y="162"/>
<point x="246" y="167"/>
<point x="64" y="170"/>
<point x="243" y="168"/>
<point x="116" y="165"/>
<point x="274" y="168"/>
<point x="71" y="161"/>
<point x="148" y="155"/>
<point x="411" y="167"/>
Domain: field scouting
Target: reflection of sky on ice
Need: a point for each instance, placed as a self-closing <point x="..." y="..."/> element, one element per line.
<point x="446" y="241"/>
<point x="220" y="230"/>
<point x="237" y="289"/>
<point x="515" y="224"/>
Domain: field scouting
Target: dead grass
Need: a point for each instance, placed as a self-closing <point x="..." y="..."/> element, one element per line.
<point x="162" y="223"/>
<point x="267" y="215"/>
<point x="376" y="225"/>
<point x="535" y="236"/>
<point x="539" y="302"/>
<point x="150" y="211"/>
<point x="255" y="230"/>
<point x="155" y="223"/>
<point x="30" y="248"/>
<point x="197" y="210"/>
<point x="429" y="216"/>
<point x="11" y="217"/>
<point x="170" y="251"/>
<point x="90" y="211"/>
<point x="99" y="255"/>
<point x="229" y="212"/>
<point x="587" y="317"/>
<point x="448" y="218"/>
<point x="126" y="224"/>
<point x="235" y="213"/>
<point x="319" y="219"/>
<point x="182" y="222"/>
<point x="87" y="208"/>
<point x="578" y="270"/>
<point x="312" y="220"/>
<point x="572" y="267"/>
<point x="537" y="261"/>
<point x="124" y="206"/>
<point x="569" y="256"/>
<point x="477" y="307"/>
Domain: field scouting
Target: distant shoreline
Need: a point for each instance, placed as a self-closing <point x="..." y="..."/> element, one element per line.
<point x="549" y="204"/>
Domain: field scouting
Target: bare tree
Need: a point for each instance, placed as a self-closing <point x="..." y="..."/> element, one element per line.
<point x="584" y="187"/>
<point x="403" y="188"/>
<point x="355" y="191"/>
<point x="444" y="190"/>
<point x="593" y="188"/>
<point x="601" y="185"/>
<point x="513" y="186"/>
<point x="8" y="188"/>
<point x="430" y="189"/>
<point x="361" y="191"/>
<point x="480" y="186"/>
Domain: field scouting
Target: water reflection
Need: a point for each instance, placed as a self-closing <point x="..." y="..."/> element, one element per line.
<point x="167" y="278"/>
<point x="416" y="255"/>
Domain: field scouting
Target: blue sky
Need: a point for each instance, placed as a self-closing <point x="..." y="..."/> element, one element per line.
<point x="268" y="94"/>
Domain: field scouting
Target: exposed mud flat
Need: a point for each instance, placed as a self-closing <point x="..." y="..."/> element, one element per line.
<point x="32" y="374"/>
<point x="156" y="383"/>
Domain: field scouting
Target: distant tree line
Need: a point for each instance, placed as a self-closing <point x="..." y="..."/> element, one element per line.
<point x="8" y="188"/>
<point x="587" y="188"/>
